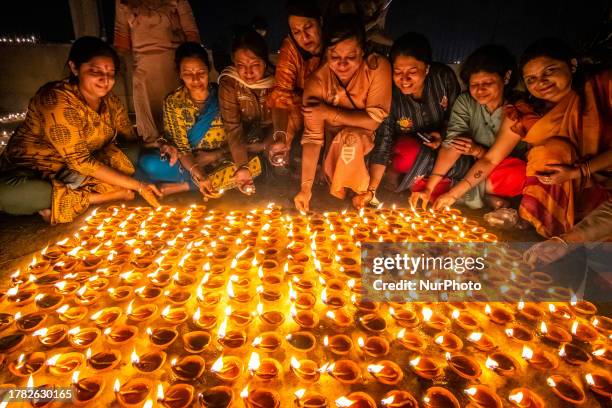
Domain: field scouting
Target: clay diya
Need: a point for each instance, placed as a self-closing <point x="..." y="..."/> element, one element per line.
<point x="448" y="341"/>
<point x="411" y="341"/>
<point x="227" y="369"/>
<point x="600" y="352"/>
<point x="498" y="314"/>
<point x="519" y="333"/>
<point x="121" y="293"/>
<point x="48" y="302"/>
<point x="241" y="318"/>
<point x="434" y="322"/>
<point x="305" y="370"/>
<point x="30" y="322"/>
<point x="82" y="338"/>
<point x="260" y="398"/>
<point x="141" y="313"/>
<point x="120" y="335"/>
<point x="356" y="400"/>
<point x="174" y="315"/>
<point x="230" y="338"/>
<point x="340" y="318"/>
<point x="529" y="311"/>
<point x="554" y="333"/>
<point x="600" y="383"/>
<point x="216" y="397"/>
<point x="425" y="367"/>
<point x="564" y="388"/>
<point x="574" y="355"/>
<point x="51" y="336"/>
<point x="301" y="341"/>
<point x="310" y="399"/>
<point x="603" y="324"/>
<point x="134" y="392"/>
<point x="268" y="342"/>
<point x="6" y="320"/>
<point x="265" y="369"/>
<point x="86" y="389"/>
<point x="177" y="396"/>
<point x="386" y="372"/>
<point x="27" y="365"/>
<point x="106" y="317"/>
<point x="345" y="371"/>
<point x="188" y="368"/>
<point x="481" y="396"/>
<point x="64" y="364"/>
<point x="306" y="319"/>
<point x="525" y="398"/>
<point x="148" y="293"/>
<point x="583" y="307"/>
<point x="162" y="337"/>
<point x="399" y="399"/>
<point x="540" y="359"/>
<point x="465" y="321"/>
<point x="196" y="342"/>
<point x="560" y="312"/>
<point x="503" y="364"/>
<point x="439" y="397"/>
<point x="148" y="362"/>
<point x="465" y="367"/>
<point x="481" y="341"/>
<point x="373" y="323"/>
<point x="584" y="332"/>
<point x="71" y="315"/>
<point x="104" y="360"/>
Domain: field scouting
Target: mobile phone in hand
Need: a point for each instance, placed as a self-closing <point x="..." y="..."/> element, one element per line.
<point x="424" y="137"/>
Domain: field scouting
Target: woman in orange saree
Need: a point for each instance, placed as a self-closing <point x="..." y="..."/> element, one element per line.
<point x="569" y="127"/>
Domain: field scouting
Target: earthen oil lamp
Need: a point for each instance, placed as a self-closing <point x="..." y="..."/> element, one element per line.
<point x="66" y="288"/>
<point x="216" y="397"/>
<point x="339" y="344"/>
<point x="240" y="318"/>
<point x="30" y="322"/>
<point x="573" y="355"/>
<point x="301" y="341"/>
<point x="519" y="333"/>
<point x="584" y="332"/>
<point x="230" y="338"/>
<point x="177" y="396"/>
<point x="6" y="320"/>
<point x="260" y="398"/>
<point x="86" y="297"/>
<point x="306" y="319"/>
<point x="174" y="315"/>
<point x="305" y="370"/>
<point x="554" y="334"/>
<point x="106" y="317"/>
<point x="134" y="392"/>
<point x="71" y="315"/>
<point x="448" y="341"/>
<point x="27" y="365"/>
<point x="344" y="371"/>
<point x="268" y="342"/>
<point x="369" y="306"/>
<point x="51" y="336"/>
<point x="498" y="314"/>
<point x="463" y="366"/>
<point x="48" y="302"/>
<point x="529" y="312"/>
<point x="177" y="297"/>
<point x="603" y="324"/>
<point x="411" y="341"/>
<point x="104" y="360"/>
<point x="161" y="337"/>
<point x="601" y="353"/>
<point x="439" y="397"/>
<point x="425" y="367"/>
<point x="482" y="341"/>
<point x="503" y="364"/>
<point x="481" y="396"/>
<point x="373" y="346"/>
<point x="434" y="322"/>
<point x="525" y="398"/>
<point x="195" y="342"/>
<point x="64" y="364"/>
<point x="265" y="369"/>
<point x="205" y="321"/>
<point x="82" y="338"/>
<point x="121" y="293"/>
<point x="399" y="399"/>
<point x="209" y="301"/>
<point x="149" y="362"/>
<point x="188" y="368"/>
<point x="141" y="313"/>
<point x="333" y="298"/>
<point x="465" y="321"/>
<point x="120" y="335"/>
<point x="340" y="319"/>
<point x="310" y="399"/>
<point x="583" y="307"/>
<point x="269" y="294"/>
<point x="540" y="359"/>
<point x="386" y="372"/>
<point x="356" y="400"/>
<point x="600" y="383"/>
<point x="302" y="300"/>
<point x="404" y="318"/>
<point x="227" y="369"/>
<point x="86" y="389"/>
<point x="148" y="293"/>
<point x="372" y="322"/>
<point x="560" y="312"/>
<point x="564" y="388"/>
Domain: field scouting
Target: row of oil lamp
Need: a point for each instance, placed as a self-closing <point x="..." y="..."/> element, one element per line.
<point x="343" y="370"/>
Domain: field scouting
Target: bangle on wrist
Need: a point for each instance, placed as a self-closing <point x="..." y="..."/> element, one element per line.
<point x="281" y="132"/>
<point x="558" y="238"/>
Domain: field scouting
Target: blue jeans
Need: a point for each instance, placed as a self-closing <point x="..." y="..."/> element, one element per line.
<point x="151" y="168"/>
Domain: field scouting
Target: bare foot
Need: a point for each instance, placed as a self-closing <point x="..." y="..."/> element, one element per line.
<point x="46" y="215"/>
<point x="497" y="202"/>
<point x="173" y="188"/>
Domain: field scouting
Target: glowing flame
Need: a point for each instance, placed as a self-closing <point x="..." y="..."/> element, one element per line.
<point x="516" y="398"/>
<point x="300" y="393"/>
<point x="344" y="402"/>
<point x="401" y="333"/>
<point x="96" y="315"/>
<point x="375" y="368"/>
<point x="295" y="363"/>
<point x="222" y="329"/>
<point x="492" y="364"/>
<point x="160" y="392"/>
<point x="543" y="328"/>
<point x="134" y="357"/>
<point x="63" y="309"/>
<point x="415" y="361"/>
<point x="589" y="379"/>
<point x="388" y="400"/>
<point x="575" y="327"/>
<point x="475" y="337"/>
<point x="488" y="309"/>
<point x="245" y="392"/>
<point x="196" y="315"/>
<point x="254" y="362"/>
<point x="217" y="366"/>
<point x="53" y="360"/>
<point x="551" y="382"/>
<point x="509" y="332"/>
<point x="471" y="391"/>
<point x="527" y="353"/>
<point x="41" y="332"/>
<point x="456" y="313"/>
<point x="166" y="311"/>
<point x="427" y="313"/>
<point x="75" y="377"/>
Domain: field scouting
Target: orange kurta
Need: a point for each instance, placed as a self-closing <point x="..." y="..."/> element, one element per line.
<point x="576" y="129"/>
<point x="292" y="70"/>
<point x="62" y="134"/>
<point x="370" y="91"/>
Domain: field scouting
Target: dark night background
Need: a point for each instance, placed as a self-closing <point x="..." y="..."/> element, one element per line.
<point x="454" y="27"/>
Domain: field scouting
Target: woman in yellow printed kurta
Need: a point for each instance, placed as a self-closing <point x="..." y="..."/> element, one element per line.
<point x="69" y="134"/>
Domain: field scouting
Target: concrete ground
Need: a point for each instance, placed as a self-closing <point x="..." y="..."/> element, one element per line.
<point x="21" y="237"/>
